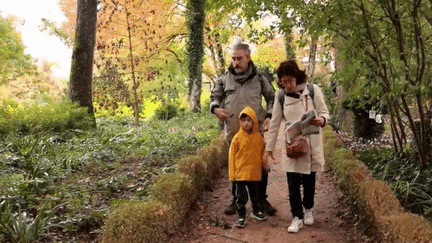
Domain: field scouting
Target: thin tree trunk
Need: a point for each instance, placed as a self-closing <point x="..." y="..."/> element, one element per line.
<point x="397" y="139"/>
<point x="80" y="86"/>
<point x="220" y="55"/>
<point x="286" y="29"/>
<point x="312" y="57"/>
<point x="415" y="133"/>
<point x="393" y="132"/>
<point x="135" y="83"/>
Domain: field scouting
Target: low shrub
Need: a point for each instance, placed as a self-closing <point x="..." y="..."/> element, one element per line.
<point x="168" y="110"/>
<point x="222" y="148"/>
<point x="196" y="169"/>
<point x="36" y="118"/>
<point x="210" y="157"/>
<point x="137" y="222"/>
<point x="403" y="172"/>
<point x="406" y="227"/>
<point x="379" y="210"/>
<point x="174" y="190"/>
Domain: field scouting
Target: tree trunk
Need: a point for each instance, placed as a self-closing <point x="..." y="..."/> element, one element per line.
<point x="80" y="86"/>
<point x="286" y="28"/>
<point x="135" y="82"/>
<point x="195" y="52"/>
<point x="312" y="57"/>
<point x="220" y="55"/>
<point x="343" y="117"/>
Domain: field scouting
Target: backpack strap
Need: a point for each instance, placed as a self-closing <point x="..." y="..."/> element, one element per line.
<point x="311" y="90"/>
<point x="281" y="96"/>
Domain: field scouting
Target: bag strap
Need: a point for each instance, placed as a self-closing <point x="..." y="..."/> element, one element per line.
<point x="310" y="87"/>
<point x="281" y="96"/>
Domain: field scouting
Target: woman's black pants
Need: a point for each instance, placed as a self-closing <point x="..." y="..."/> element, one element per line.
<point x="295" y="180"/>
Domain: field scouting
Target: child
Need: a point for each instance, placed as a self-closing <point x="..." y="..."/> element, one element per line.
<point x="246" y="161"/>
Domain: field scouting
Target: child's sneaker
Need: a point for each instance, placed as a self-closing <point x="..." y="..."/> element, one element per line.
<point x="240" y="222"/>
<point x="258" y="215"/>
<point x="296" y="224"/>
<point x="308" y="217"/>
<point x="231" y="209"/>
<point x="268" y="208"/>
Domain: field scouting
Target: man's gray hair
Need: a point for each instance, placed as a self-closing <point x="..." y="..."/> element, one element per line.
<point x="244" y="47"/>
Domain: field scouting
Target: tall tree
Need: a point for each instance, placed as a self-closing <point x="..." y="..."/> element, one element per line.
<point x="385" y="58"/>
<point x="80" y="86"/>
<point x="13" y="61"/>
<point x="132" y="35"/>
<point x="195" y="50"/>
<point x="133" y="40"/>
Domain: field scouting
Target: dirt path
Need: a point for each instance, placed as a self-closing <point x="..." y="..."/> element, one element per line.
<point x="333" y="222"/>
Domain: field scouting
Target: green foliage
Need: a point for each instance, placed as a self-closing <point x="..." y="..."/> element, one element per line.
<point x="195" y="19"/>
<point x="168" y="110"/>
<point x="13" y="61"/>
<point x="379" y="210"/>
<point x="403" y="172"/>
<point x="88" y="168"/>
<point x="32" y="118"/>
<point x="18" y="226"/>
<point x="54" y="30"/>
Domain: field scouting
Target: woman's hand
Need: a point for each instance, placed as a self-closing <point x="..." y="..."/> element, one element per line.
<point x="269" y="153"/>
<point x="318" y="121"/>
<point x="266" y="124"/>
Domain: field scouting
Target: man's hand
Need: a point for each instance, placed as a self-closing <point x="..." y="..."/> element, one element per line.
<point x="220" y="113"/>
<point x="266" y="124"/>
<point x="318" y="121"/>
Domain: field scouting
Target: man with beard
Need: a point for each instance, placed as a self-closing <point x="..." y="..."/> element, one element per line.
<point x="243" y="85"/>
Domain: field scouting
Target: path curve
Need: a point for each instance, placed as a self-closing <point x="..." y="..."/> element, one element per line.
<point x="333" y="220"/>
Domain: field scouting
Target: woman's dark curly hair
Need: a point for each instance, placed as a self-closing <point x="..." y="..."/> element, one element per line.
<point x="291" y="68"/>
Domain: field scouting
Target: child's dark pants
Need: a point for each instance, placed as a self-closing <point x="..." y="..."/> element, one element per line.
<point x="242" y="196"/>
<point x="262" y="187"/>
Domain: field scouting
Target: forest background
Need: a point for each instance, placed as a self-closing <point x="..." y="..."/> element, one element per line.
<point x="153" y="66"/>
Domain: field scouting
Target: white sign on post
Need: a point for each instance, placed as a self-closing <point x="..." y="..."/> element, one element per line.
<point x="378" y="118"/>
<point x="372" y="114"/>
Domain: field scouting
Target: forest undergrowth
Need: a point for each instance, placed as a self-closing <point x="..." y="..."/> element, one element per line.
<point x="59" y="176"/>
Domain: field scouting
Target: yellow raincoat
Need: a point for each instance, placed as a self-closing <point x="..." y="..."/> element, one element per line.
<point x="246" y="154"/>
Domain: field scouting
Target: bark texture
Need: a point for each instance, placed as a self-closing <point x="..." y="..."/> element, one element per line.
<point x="80" y="86"/>
<point x="195" y="50"/>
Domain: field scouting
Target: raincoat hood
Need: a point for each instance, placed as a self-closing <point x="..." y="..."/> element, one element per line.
<point x="246" y="153"/>
<point x="251" y="113"/>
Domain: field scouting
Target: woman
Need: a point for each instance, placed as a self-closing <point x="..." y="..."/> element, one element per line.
<point x="296" y="101"/>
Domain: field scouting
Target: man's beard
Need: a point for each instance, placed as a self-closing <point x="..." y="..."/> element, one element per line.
<point x="239" y="71"/>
